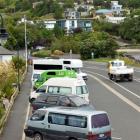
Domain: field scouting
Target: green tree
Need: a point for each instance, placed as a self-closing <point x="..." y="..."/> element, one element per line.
<point x="58" y="32"/>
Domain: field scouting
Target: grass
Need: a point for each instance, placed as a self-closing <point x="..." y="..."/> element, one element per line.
<point x="128" y="61"/>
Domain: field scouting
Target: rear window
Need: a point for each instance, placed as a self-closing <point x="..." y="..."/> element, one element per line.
<point x="99" y="120"/>
<point x="78" y="101"/>
<point x="52" y="100"/>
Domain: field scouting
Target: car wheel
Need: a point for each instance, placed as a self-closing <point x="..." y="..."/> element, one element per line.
<point x="38" y="136"/>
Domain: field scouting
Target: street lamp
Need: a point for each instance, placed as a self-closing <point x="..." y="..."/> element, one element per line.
<point x="25" y="37"/>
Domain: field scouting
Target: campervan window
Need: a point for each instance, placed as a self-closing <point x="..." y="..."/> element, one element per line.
<point x="47" y="67"/>
<point x="81" y="90"/>
<point x="66" y="62"/>
<point x="57" y="90"/>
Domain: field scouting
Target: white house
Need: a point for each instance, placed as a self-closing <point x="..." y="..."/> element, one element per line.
<point x="49" y="24"/>
<point x="5" y="55"/>
<point x="70" y="24"/>
<point x="71" y="13"/>
<point x="116" y="8"/>
<point x="116" y="20"/>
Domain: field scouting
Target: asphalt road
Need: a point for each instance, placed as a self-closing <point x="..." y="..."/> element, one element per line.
<point x="121" y="100"/>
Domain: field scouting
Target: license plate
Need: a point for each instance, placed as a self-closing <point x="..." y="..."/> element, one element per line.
<point x="101" y="135"/>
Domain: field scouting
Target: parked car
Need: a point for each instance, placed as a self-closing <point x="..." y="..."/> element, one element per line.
<point x="64" y="123"/>
<point x="49" y="100"/>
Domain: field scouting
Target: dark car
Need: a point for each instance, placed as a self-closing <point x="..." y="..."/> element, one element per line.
<point x="49" y="100"/>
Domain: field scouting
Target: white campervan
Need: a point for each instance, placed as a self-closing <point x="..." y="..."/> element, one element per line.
<point x="76" y="86"/>
<point x="42" y="64"/>
<point x="76" y="65"/>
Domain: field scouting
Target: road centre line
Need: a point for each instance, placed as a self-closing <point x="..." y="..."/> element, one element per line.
<point x="123" y="98"/>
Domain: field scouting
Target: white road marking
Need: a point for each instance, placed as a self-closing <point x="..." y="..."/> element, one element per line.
<point x="27" y="114"/>
<point x="118" y="85"/>
<point x="115" y="138"/>
<point x="123" y="98"/>
<point x="97" y="68"/>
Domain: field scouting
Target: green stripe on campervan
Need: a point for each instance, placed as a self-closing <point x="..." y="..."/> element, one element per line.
<point x="52" y="74"/>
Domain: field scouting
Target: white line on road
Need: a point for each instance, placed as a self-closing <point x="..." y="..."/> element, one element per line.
<point x="97" y="68"/>
<point x="123" y="98"/>
<point x="115" y="138"/>
<point x="117" y="84"/>
<point x="27" y="114"/>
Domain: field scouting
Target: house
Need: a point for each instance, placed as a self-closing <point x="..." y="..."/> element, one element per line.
<point x="50" y="24"/>
<point x="70" y="24"/>
<point x="84" y="9"/>
<point x="5" y="55"/>
<point x="105" y="12"/>
<point x="71" y="13"/>
<point x="116" y="8"/>
<point x="116" y="20"/>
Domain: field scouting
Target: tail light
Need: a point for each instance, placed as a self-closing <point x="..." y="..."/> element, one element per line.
<point x="92" y="136"/>
<point x="108" y="134"/>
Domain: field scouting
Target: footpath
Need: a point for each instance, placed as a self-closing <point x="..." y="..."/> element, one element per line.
<point x="13" y="128"/>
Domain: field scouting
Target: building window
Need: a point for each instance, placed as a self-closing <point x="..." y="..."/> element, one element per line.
<point x="0" y="58"/>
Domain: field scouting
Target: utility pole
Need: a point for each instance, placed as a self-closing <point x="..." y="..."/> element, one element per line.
<point x="25" y="38"/>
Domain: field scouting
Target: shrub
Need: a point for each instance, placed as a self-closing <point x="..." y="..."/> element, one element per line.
<point x="58" y="52"/>
<point x="42" y="53"/>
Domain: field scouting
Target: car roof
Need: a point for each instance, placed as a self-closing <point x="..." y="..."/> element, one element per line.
<point x="64" y="81"/>
<point x="83" y="111"/>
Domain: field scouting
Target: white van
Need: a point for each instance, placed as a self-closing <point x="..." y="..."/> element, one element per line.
<point x="65" y="85"/>
<point x="42" y="64"/>
<point x="76" y="65"/>
<point x="63" y="123"/>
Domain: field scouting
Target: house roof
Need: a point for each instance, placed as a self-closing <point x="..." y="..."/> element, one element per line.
<point x="4" y="51"/>
<point x="104" y="11"/>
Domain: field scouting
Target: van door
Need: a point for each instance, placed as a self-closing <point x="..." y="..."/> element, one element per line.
<point x="56" y="126"/>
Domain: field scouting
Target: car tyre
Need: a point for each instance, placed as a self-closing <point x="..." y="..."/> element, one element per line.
<point x="38" y="136"/>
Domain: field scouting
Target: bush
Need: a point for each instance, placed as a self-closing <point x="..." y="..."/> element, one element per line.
<point x="100" y="44"/>
<point x="1" y="110"/>
<point x="57" y="52"/>
<point x="42" y="53"/>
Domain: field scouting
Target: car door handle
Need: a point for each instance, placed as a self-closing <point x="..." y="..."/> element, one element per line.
<point x="43" y="123"/>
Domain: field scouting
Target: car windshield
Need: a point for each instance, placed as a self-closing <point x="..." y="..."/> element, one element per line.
<point x="41" y="89"/>
<point x="78" y="101"/>
<point x="36" y="76"/>
<point x="77" y="70"/>
<point x="41" y="98"/>
<point x="38" y="115"/>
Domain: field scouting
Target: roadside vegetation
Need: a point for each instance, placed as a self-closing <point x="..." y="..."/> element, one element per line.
<point x="127" y="61"/>
<point x="8" y="74"/>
